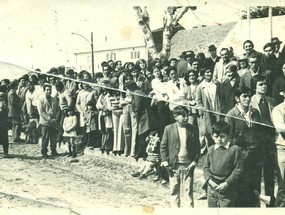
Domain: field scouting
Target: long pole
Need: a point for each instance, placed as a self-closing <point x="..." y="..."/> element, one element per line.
<point x="270" y="21"/>
<point x="248" y="19"/>
<point x="92" y="51"/>
<point x="92" y="55"/>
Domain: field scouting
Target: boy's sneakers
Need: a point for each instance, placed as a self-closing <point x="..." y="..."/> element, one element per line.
<point x="163" y="182"/>
<point x="156" y="178"/>
<point x="135" y="174"/>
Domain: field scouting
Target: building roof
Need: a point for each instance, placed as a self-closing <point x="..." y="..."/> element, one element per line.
<point x="199" y="38"/>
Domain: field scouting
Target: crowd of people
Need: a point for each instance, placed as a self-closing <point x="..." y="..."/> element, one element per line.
<point x="117" y="109"/>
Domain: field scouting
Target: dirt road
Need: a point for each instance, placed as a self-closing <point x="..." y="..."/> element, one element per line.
<point x="94" y="182"/>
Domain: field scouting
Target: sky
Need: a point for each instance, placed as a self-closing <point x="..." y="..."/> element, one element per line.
<point x="37" y="33"/>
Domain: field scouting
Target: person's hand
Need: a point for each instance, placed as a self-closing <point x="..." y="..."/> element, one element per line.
<point x="212" y="184"/>
<point x="164" y="163"/>
<point x="190" y="168"/>
<point x="221" y="188"/>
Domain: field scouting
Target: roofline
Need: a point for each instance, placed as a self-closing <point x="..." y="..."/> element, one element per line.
<point x="141" y="46"/>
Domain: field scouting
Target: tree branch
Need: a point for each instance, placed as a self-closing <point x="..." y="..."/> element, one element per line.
<point x="143" y="21"/>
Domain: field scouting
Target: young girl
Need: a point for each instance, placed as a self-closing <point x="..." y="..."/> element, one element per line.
<point x="69" y="127"/>
<point x="153" y="157"/>
<point x="91" y="120"/>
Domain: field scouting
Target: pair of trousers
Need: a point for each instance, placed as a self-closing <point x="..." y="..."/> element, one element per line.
<point x="4" y="140"/>
<point x="181" y="187"/>
<point x="117" y="117"/>
<point x="127" y="129"/>
<point x="220" y="200"/>
<point x="16" y="128"/>
<point x="49" y="135"/>
<point x="280" y="199"/>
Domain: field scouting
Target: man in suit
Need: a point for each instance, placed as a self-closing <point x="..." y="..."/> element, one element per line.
<point x="220" y="67"/>
<point x="182" y="65"/>
<point x="254" y="69"/>
<point x="265" y="104"/>
<point x="213" y="59"/>
<point x="49" y="112"/>
<point x="180" y="151"/>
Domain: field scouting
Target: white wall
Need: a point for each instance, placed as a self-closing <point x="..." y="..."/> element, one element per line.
<point x="259" y="33"/>
<point x="124" y="54"/>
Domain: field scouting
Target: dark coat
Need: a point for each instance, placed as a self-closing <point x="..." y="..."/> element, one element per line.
<point x="227" y="94"/>
<point x="238" y="124"/>
<point x="170" y="144"/>
<point x="14" y="104"/>
<point x="141" y="108"/>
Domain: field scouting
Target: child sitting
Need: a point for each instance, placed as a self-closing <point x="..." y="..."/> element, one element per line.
<point x="69" y="128"/>
<point x="153" y="157"/>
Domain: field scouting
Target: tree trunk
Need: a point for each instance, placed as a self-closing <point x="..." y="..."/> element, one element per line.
<point x="171" y="19"/>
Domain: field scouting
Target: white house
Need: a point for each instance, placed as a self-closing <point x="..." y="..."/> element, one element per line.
<point x="124" y="50"/>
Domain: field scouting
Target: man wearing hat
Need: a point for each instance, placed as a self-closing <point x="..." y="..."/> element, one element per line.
<point x="213" y="59"/>
<point x="276" y="42"/>
<point x="278" y="119"/>
<point x="182" y="65"/>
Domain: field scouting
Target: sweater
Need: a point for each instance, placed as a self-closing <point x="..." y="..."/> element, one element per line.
<point x="223" y="165"/>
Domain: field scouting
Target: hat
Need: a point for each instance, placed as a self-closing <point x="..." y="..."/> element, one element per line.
<point x="212" y="48"/>
<point x="275" y="40"/>
<point x="183" y="55"/>
<point x="189" y="53"/>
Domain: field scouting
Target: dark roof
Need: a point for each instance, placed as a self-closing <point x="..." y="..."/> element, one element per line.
<point x="198" y="39"/>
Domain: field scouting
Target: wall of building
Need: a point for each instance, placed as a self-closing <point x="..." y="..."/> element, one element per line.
<point x="83" y="60"/>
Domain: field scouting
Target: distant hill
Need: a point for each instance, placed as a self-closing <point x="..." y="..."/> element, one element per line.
<point x="11" y="71"/>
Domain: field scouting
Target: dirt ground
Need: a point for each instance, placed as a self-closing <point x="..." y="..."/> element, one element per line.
<point x="88" y="184"/>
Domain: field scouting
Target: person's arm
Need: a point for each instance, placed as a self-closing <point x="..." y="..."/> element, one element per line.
<point x="238" y="169"/>
<point x="42" y="111"/>
<point x="278" y="120"/>
<point x="164" y="153"/>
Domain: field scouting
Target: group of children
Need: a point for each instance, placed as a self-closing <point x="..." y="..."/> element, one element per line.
<point x="228" y="168"/>
<point x="70" y="126"/>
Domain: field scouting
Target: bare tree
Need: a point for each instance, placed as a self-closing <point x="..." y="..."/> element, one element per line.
<point x="170" y="20"/>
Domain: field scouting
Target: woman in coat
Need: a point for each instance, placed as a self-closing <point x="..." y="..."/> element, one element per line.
<point x="208" y="101"/>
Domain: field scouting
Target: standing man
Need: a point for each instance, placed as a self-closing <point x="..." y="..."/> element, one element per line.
<point x="220" y="67"/>
<point x="213" y="59"/>
<point x="180" y="151"/>
<point x="49" y="112"/>
<point x="254" y="69"/>
<point x="182" y="65"/>
<point x="14" y="114"/>
<point x="264" y="104"/>
<point x="278" y="118"/>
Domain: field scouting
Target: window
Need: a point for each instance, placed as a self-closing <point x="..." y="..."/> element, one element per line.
<point x="135" y="54"/>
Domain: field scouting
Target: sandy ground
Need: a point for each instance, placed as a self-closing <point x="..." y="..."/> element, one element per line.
<point x="89" y="184"/>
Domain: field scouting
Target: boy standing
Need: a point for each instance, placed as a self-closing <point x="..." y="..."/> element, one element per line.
<point x="222" y="168"/>
<point x="180" y="151"/>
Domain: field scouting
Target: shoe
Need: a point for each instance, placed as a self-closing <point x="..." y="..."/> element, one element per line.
<point x="44" y="156"/>
<point x="54" y="153"/>
<point x="5" y="155"/>
<point x="135" y="174"/>
<point x="156" y="178"/>
<point x="203" y="196"/>
<point x="142" y="176"/>
<point x="163" y="182"/>
<point x="102" y="151"/>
